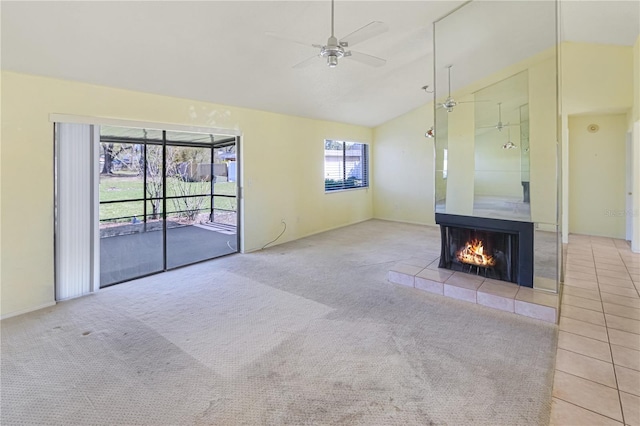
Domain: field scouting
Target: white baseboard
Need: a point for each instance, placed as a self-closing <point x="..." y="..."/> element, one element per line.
<point x="26" y="311"/>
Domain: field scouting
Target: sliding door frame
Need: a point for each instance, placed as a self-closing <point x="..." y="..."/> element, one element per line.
<point x="95" y="123"/>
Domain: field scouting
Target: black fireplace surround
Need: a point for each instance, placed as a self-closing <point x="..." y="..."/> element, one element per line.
<point x="508" y="245"/>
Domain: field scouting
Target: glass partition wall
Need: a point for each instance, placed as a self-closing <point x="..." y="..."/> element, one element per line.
<point x="166" y="199"/>
<point x="496" y="115"/>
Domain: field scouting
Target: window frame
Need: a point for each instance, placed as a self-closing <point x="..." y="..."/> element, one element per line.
<point x="343" y="164"/>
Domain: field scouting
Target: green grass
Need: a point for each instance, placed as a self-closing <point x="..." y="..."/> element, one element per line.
<point x="126" y="188"/>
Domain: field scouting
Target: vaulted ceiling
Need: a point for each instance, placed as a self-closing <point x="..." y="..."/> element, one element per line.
<point x="219" y="51"/>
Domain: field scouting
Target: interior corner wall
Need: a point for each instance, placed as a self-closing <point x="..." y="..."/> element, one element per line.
<point x="282" y="172"/>
<point x="403" y="168"/>
<point x="636" y="81"/>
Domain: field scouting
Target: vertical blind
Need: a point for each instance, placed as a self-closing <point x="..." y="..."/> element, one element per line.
<point x="74" y="221"/>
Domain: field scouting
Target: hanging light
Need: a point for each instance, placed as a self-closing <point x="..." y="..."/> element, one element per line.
<point x="509" y="144"/>
<point x="430" y="133"/>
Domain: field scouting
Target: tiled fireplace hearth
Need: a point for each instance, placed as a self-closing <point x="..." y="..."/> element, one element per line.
<point x="485" y="261"/>
<point x="427" y="276"/>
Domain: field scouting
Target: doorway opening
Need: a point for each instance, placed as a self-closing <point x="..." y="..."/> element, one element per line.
<point x="597" y="175"/>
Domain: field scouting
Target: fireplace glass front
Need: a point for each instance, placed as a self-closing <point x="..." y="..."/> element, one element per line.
<point x="490" y="254"/>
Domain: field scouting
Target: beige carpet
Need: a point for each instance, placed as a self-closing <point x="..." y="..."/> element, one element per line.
<point x="305" y="333"/>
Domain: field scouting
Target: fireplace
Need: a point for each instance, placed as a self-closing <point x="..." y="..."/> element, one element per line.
<point x="493" y="248"/>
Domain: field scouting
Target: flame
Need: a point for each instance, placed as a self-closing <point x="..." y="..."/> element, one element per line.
<point x="473" y="253"/>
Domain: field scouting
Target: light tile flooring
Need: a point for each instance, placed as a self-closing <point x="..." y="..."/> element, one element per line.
<point x="597" y="377"/>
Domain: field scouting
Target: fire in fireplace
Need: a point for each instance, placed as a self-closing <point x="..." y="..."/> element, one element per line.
<point x="473" y="254"/>
<point x="492" y="248"/>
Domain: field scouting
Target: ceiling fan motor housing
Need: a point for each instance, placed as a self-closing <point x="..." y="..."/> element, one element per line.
<point x="332" y="51"/>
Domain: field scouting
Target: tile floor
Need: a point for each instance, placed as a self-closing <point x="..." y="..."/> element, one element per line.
<point x="597" y="377"/>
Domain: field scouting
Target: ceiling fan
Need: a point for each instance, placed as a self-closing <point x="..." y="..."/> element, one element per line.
<point x="500" y="125"/>
<point x="335" y="49"/>
<point x="449" y="104"/>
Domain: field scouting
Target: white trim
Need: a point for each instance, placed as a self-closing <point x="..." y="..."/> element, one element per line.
<point x="95" y="209"/>
<point x="628" y="189"/>
<point x="635" y="240"/>
<point x="103" y="121"/>
<point x="26" y="311"/>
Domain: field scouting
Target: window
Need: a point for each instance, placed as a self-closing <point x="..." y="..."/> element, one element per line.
<point x="346" y="165"/>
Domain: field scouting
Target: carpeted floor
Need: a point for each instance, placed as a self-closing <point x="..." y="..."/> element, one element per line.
<point x="308" y="332"/>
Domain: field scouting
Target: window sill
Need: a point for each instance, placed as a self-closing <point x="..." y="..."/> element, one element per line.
<point x="346" y="189"/>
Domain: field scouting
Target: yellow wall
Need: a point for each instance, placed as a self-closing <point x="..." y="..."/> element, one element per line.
<point x="461" y="146"/>
<point x="403" y="189"/>
<point x="460" y="186"/>
<point x="635" y="243"/>
<point x="636" y="80"/>
<point x="282" y="171"/>
<point x="497" y="170"/>
<point x="596" y="79"/>
<point x="597" y="182"/>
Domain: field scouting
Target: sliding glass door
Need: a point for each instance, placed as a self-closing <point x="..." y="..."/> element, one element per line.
<point x="196" y="226"/>
<point x="167" y="199"/>
<point x="131" y="225"/>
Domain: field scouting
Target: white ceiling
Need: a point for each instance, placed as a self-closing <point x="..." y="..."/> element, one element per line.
<point x="217" y="51"/>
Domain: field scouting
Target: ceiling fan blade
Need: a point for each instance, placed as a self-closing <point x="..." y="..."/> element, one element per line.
<point x="370" y="30"/>
<point x="290" y="40"/>
<point x="470" y="102"/>
<point x="306" y="62"/>
<point x="363" y="58"/>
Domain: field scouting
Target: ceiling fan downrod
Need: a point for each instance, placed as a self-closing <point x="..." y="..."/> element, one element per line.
<point x="332" y="51"/>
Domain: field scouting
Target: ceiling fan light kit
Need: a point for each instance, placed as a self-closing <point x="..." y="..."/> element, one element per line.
<point x="332" y="51"/>
<point x="449" y="103"/>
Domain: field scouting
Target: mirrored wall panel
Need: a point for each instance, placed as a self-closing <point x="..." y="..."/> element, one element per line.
<point x="496" y="114"/>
